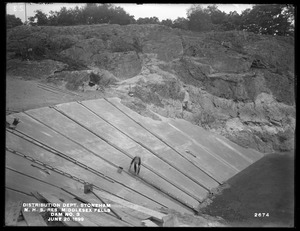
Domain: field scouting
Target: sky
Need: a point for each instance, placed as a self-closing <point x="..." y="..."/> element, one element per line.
<point x="161" y="11"/>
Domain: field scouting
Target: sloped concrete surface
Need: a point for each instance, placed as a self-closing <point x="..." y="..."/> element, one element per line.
<point x="90" y="140"/>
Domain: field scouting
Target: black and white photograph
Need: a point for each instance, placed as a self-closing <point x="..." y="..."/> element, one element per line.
<point x="150" y="115"/>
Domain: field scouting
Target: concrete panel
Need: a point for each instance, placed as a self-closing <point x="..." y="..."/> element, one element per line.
<point x="129" y="127"/>
<point x="101" y="148"/>
<point x="165" y="152"/>
<point x="90" y="177"/>
<point x="117" y="118"/>
<point x="26" y="184"/>
<point x="180" y="159"/>
<point x="238" y="154"/>
<point x="25" y="166"/>
<point x="169" y="172"/>
<point x="142" y="135"/>
<point x="149" y="197"/>
<point x="216" y="145"/>
<point x="41" y="154"/>
<point x="214" y="166"/>
<point x="207" y="161"/>
<point x="14" y="196"/>
<point x="88" y="119"/>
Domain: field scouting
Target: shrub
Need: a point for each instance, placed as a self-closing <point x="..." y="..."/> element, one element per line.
<point x="61" y="42"/>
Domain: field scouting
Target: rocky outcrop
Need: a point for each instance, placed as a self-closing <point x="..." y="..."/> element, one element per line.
<point x="240" y="84"/>
<point x="33" y="69"/>
<point x="94" y="79"/>
<point x="93" y="53"/>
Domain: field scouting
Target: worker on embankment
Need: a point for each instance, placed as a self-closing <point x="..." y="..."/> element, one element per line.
<point x="185" y="102"/>
<point x="136" y="162"/>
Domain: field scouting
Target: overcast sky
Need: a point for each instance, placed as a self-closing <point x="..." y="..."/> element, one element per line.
<point x="161" y="11"/>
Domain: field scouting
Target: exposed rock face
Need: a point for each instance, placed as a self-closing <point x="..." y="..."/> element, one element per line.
<point x="83" y="80"/>
<point x="165" y="45"/>
<point x="240" y="84"/>
<point x="33" y="69"/>
<point x="122" y="64"/>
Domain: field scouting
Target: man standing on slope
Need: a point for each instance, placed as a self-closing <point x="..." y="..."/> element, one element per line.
<point x="185" y="101"/>
<point x="137" y="164"/>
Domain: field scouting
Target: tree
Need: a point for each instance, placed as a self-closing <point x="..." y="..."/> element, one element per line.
<point x="120" y="16"/>
<point x="216" y="16"/>
<point x="66" y="17"/>
<point x="232" y="21"/>
<point x="53" y="20"/>
<point x="181" y="23"/>
<point x="77" y="15"/>
<point x="199" y="19"/>
<point x="167" y="22"/>
<point x="40" y="17"/>
<point x="274" y="19"/>
<point x="105" y="13"/>
<point x="12" y="21"/>
<point x="152" y="20"/>
<point x="288" y="25"/>
<point x="89" y="13"/>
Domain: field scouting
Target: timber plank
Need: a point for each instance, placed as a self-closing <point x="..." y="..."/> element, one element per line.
<point x="100" y="218"/>
<point x="21" y="223"/>
<point x="126" y="215"/>
<point x="33" y="219"/>
<point x="149" y="223"/>
<point x="14" y="196"/>
<point x="91" y="198"/>
<point x="156" y="215"/>
<point x="65" y="222"/>
<point x="12" y="213"/>
<point x="43" y="200"/>
<point x="52" y="199"/>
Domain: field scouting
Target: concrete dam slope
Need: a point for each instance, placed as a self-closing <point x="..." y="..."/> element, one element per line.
<point x="55" y="151"/>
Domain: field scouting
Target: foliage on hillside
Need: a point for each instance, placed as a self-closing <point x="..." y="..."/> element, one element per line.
<point x="12" y="21"/>
<point x="273" y="19"/>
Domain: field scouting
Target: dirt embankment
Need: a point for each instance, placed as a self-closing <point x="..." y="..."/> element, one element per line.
<point x="240" y="85"/>
<point x="260" y="196"/>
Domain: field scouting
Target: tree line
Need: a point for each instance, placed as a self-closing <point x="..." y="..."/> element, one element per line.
<point x="273" y="19"/>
